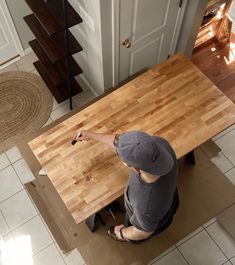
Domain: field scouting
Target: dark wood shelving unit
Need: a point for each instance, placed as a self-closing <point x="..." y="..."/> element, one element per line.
<point x="54" y="46"/>
<point x="213" y="4"/>
<point x="54" y="11"/>
<point x="56" y="70"/>
<point x="58" y="91"/>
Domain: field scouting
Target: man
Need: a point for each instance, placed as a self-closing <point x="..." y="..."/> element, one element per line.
<point x="151" y="196"/>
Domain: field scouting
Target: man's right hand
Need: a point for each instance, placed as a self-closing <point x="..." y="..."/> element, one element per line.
<point x="82" y="135"/>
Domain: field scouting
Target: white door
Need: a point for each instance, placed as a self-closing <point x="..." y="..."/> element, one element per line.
<point x="147" y="30"/>
<point x="8" y="48"/>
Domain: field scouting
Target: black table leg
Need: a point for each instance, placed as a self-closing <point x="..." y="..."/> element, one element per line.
<point x="92" y="221"/>
<point x="190" y="158"/>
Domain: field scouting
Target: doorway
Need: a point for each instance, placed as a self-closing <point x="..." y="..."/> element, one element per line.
<point x="214" y="51"/>
<point x="10" y="47"/>
<point x="147" y="34"/>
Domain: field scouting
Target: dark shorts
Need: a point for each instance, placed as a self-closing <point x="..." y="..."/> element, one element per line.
<point x="166" y="221"/>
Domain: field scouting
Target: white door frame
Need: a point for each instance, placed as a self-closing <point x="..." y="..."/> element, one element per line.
<point x="116" y="36"/>
<point x="13" y="31"/>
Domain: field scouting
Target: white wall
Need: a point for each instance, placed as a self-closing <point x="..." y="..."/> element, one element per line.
<point x="18" y="9"/>
<point x="88" y="34"/>
<point x="106" y="37"/>
<point x="231" y="13"/>
<point x="192" y="20"/>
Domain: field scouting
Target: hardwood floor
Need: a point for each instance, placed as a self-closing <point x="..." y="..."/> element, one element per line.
<point x="217" y="61"/>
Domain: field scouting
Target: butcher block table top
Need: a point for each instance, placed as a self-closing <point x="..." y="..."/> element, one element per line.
<point x="173" y="100"/>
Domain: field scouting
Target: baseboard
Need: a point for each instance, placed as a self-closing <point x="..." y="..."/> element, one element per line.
<point x="86" y="85"/>
<point x="27" y="51"/>
<point x="17" y="58"/>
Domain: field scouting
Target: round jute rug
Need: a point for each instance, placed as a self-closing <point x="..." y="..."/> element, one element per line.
<point x="25" y="105"/>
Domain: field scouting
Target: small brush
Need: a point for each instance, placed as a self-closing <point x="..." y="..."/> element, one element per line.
<point x="75" y="140"/>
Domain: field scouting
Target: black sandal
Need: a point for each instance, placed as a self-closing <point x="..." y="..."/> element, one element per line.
<point x="112" y="234"/>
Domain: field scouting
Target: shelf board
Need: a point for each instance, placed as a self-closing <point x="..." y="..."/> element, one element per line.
<point x="213" y="4"/>
<point x="60" y="92"/>
<point x="51" y="16"/>
<point x="209" y="21"/>
<point x="53" y="45"/>
<point x="56" y="71"/>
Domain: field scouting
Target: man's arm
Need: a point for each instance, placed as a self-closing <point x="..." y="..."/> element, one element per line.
<point x="84" y="135"/>
<point x="131" y="233"/>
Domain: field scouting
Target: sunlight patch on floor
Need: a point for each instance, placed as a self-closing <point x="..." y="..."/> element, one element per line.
<point x="231" y="57"/>
<point x="16" y="252"/>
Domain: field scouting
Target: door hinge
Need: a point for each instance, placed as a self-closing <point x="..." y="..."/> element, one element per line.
<point x="180" y="3"/>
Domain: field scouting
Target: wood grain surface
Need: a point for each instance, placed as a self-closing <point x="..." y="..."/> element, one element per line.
<point x="173" y="100"/>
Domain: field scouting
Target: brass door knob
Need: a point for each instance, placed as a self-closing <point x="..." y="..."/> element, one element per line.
<point x="126" y="43"/>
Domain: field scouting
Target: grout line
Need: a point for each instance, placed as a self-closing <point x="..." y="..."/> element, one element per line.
<point x="36" y="208"/>
<point x="18" y="177"/>
<point x="223" y="135"/>
<point x="226" y="262"/>
<point x="47" y="228"/>
<point x="42" y="249"/>
<point x="229" y="262"/>
<point x="190" y="237"/>
<point x="210" y="224"/>
<point x="183" y="255"/>
<point x="60" y="253"/>
<point x="33" y="203"/>
<point x="37" y="251"/>
<point x="5" y="167"/>
<point x="6" y="223"/>
<point x="228" y="170"/>
<point x="14" y="161"/>
<point x="156" y="259"/>
<point x="28" y="197"/>
<point x="12" y="195"/>
<point x="17" y="161"/>
<point x="2" y="238"/>
<point x="227" y="158"/>
<point x="15" y="228"/>
<point x="37" y="215"/>
<point x="217" y="245"/>
<point x="7" y="157"/>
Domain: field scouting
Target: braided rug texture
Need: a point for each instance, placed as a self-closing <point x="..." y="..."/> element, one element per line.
<point x="25" y="105"/>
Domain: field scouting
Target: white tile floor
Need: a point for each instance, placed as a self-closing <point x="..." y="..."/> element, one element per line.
<point x="25" y="235"/>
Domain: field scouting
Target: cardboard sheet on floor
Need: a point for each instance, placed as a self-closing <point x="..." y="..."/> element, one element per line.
<point x="204" y="193"/>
